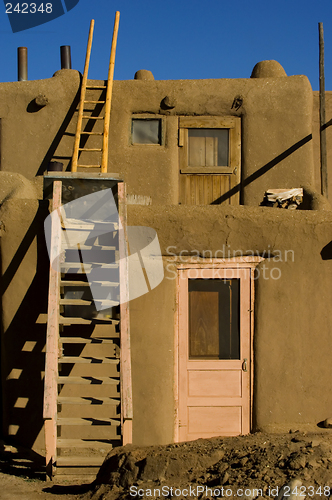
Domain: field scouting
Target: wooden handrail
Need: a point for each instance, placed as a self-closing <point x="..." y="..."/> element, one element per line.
<point x="125" y="353"/>
<point x="52" y="335"/>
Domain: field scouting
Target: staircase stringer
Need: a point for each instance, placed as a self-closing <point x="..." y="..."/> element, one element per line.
<point x="125" y="352"/>
<point x="52" y="336"/>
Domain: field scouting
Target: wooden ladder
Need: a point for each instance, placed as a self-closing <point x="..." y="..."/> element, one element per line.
<point x="82" y="136"/>
<point x="87" y="385"/>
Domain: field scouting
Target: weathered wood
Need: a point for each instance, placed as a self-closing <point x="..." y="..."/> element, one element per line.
<point x="125" y="354"/>
<point x="81" y="105"/>
<point x="88" y="360"/>
<point x="51" y="358"/>
<point x="89" y="421"/>
<point x="104" y="159"/>
<point x="322" y="119"/>
<point x="88" y="400"/>
<point x="88" y="380"/>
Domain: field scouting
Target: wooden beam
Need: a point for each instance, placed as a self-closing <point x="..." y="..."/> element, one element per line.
<point x="104" y="159"/>
<point x="52" y="335"/>
<point x="125" y="353"/>
<point x="322" y="121"/>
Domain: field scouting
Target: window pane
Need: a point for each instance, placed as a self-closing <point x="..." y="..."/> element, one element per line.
<point x="208" y="147"/>
<point x="146" y="131"/>
<point x="214" y="327"/>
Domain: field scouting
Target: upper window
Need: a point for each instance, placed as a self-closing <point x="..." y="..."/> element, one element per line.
<point x="146" y="130"/>
<point x="209" y="145"/>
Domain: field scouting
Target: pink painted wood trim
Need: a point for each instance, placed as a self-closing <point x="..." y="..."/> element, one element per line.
<point x="127" y="432"/>
<point x="125" y="353"/>
<point x="245" y="346"/>
<point x="176" y="363"/>
<point x="252" y="302"/>
<point x="229" y="270"/>
<point x="52" y="334"/>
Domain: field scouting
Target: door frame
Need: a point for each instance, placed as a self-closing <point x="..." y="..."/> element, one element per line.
<point x="235" y="263"/>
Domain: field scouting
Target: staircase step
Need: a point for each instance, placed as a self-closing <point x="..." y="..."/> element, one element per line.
<point x="82" y="321"/>
<point x="89" y="380"/>
<point x="79" y="302"/>
<point x="79" y="461"/>
<point x="88" y="421"/>
<point x="88" y="225"/>
<point x="82" y="443"/>
<point x="80" y="359"/>
<point x="96" y="248"/>
<point x="88" y="400"/>
<point x="84" y="267"/>
<point x="70" y="283"/>
<point x="90" y="340"/>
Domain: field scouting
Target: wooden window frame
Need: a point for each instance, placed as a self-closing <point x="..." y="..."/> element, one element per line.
<point x="148" y="116"/>
<point x="233" y="123"/>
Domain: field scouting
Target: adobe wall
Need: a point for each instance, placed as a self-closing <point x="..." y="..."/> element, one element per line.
<point x="316" y="139"/>
<point x="276" y="145"/>
<point x="292" y="366"/>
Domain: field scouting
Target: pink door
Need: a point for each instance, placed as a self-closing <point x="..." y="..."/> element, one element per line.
<point x="214" y="353"/>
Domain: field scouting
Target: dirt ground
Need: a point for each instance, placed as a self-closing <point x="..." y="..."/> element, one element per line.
<point x="206" y="468"/>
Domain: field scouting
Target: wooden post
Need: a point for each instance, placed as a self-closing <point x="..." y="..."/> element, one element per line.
<point x="322" y="122"/>
<point x="104" y="159"/>
<point x="81" y="105"/>
<point x="125" y="353"/>
<point x="52" y="335"/>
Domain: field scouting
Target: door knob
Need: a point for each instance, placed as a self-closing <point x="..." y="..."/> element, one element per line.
<point x="244" y="365"/>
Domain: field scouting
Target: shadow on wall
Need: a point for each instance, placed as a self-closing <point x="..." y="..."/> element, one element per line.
<point x="22" y="344"/>
<point x="60" y="134"/>
<point x="263" y="170"/>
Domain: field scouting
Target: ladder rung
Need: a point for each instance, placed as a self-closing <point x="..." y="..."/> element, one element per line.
<point x="88" y="400"/>
<point x="96" y="87"/>
<point x="79" y="461"/>
<point x="90" y="340"/>
<point x="88" y="380"/>
<point x="89" y="149"/>
<point x="88" y="421"/>
<point x="82" y="443"/>
<point x="95" y="102"/>
<point x="93" y="117"/>
<point x="89" y="166"/>
<point x="91" y="133"/>
<point x="92" y="360"/>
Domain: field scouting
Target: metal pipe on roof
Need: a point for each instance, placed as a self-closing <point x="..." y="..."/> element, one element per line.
<point x="22" y="64"/>
<point x="65" y="56"/>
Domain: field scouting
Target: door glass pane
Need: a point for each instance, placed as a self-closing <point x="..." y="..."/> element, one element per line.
<point x="214" y="324"/>
<point x="208" y="147"/>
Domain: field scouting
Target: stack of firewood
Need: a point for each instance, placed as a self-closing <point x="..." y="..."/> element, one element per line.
<point x="283" y="198"/>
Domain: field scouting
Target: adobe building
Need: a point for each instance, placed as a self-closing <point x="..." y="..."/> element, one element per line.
<point x="237" y="335"/>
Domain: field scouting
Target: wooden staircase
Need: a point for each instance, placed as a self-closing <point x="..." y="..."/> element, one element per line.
<point x="87" y="399"/>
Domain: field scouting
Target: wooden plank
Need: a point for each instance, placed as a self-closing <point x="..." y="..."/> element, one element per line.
<point x="125" y="353"/>
<point x="87" y="360"/>
<point x="81" y="321"/>
<point x="79" y="461"/>
<point x="83" y="443"/>
<point x="104" y="160"/>
<point x="207" y="121"/>
<point x="88" y="400"/>
<point x="88" y="380"/>
<point x="206" y="170"/>
<point x="81" y="105"/>
<point x="51" y="365"/>
<point x="88" y="421"/>
<point x="82" y="340"/>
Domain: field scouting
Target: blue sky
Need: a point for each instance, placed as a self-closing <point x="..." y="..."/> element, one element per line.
<point x="178" y="39"/>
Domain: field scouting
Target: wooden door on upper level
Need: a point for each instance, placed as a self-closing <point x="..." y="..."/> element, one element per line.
<point x="214" y="353"/>
<point x="210" y="160"/>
